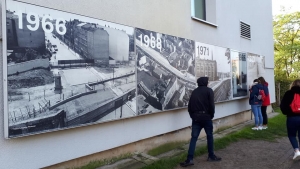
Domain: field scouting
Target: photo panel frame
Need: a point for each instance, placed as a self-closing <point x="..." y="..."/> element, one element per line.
<point x="65" y="70"/>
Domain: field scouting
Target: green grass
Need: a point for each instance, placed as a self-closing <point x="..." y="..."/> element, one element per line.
<point x="276" y="129"/>
<point x="165" y="148"/>
<point x="222" y="129"/>
<point x="99" y="163"/>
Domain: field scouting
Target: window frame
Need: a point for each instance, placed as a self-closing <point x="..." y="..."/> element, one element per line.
<point x="194" y="10"/>
<point x="199" y="19"/>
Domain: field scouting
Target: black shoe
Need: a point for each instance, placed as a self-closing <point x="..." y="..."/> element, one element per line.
<point x="214" y="158"/>
<point x="186" y="163"/>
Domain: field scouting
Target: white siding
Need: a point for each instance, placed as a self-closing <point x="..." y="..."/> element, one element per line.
<point x="165" y="16"/>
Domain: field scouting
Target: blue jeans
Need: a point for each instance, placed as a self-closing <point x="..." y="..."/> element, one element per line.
<point x="293" y="127"/>
<point x="196" y="129"/>
<point x="256" y="109"/>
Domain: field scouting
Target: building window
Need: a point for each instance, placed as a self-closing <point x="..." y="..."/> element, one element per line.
<point x="8" y="30"/>
<point x="204" y="11"/>
<point x="199" y="7"/>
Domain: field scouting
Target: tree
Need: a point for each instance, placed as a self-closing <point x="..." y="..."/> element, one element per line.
<point x="286" y="29"/>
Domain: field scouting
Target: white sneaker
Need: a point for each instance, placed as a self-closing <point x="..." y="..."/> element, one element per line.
<point x="297" y="155"/>
<point x="264" y="127"/>
<point x="260" y="128"/>
<point x="255" y="128"/>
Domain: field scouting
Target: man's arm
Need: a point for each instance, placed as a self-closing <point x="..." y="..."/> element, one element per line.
<point x="190" y="107"/>
<point x="211" y="103"/>
<point x="266" y="90"/>
<point x="285" y="103"/>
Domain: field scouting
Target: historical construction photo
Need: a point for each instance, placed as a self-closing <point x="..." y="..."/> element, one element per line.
<point x="165" y="71"/>
<point x="66" y="70"/>
<point x="255" y="66"/>
<point x="239" y="74"/>
<point x="214" y="62"/>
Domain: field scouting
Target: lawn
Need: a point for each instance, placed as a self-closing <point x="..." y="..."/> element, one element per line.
<point x="276" y="129"/>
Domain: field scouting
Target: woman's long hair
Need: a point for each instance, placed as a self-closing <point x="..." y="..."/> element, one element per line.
<point x="262" y="80"/>
<point x="295" y="83"/>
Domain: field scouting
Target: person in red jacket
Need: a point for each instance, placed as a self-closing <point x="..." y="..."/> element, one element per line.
<point x="265" y="103"/>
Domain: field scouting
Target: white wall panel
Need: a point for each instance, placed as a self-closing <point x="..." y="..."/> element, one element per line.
<point x="165" y="16"/>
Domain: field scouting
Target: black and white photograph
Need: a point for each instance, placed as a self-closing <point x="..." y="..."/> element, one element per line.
<point x="214" y="62"/>
<point x="165" y="71"/>
<point x="255" y="66"/>
<point x="66" y="70"/>
<point x="239" y="74"/>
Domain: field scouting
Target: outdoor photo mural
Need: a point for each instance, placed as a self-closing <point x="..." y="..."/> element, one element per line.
<point x="214" y="62"/>
<point x="256" y="67"/>
<point x="165" y="71"/>
<point x="239" y="73"/>
<point x="64" y="70"/>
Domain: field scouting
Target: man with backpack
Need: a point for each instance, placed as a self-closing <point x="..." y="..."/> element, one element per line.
<point x="290" y="106"/>
<point x="201" y="109"/>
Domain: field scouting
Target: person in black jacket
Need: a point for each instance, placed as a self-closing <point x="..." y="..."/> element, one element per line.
<point x="201" y="109"/>
<point x="293" y="119"/>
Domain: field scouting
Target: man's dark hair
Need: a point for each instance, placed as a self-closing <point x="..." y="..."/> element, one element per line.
<point x="256" y="80"/>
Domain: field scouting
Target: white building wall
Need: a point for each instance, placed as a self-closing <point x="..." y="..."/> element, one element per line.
<point x="165" y="16"/>
<point x="118" y="44"/>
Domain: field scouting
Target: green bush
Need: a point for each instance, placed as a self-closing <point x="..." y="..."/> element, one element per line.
<point x="284" y="84"/>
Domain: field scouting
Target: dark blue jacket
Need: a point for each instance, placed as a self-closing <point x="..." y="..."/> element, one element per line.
<point x="254" y="92"/>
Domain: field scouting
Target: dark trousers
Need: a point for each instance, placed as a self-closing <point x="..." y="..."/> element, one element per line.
<point x="293" y="127"/>
<point x="196" y="129"/>
<point x="264" y="114"/>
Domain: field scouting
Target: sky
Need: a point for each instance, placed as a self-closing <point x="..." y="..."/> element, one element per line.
<point x="290" y="6"/>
